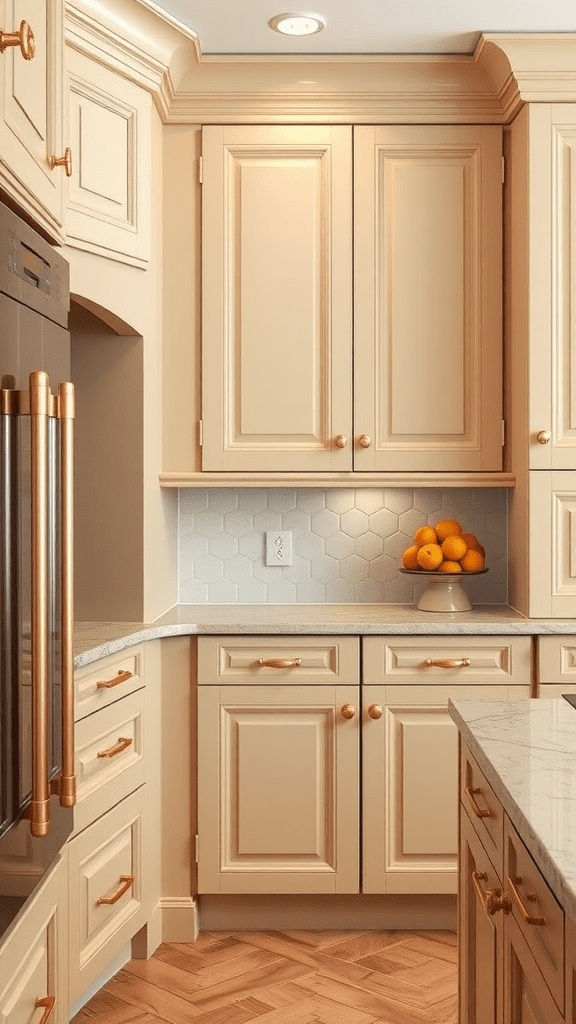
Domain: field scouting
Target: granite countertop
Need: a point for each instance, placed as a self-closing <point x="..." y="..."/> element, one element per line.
<point x="94" y="640"/>
<point x="527" y="751"/>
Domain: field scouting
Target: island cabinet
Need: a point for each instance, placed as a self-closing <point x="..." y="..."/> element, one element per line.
<point x="335" y="254"/>
<point x="516" y="965"/>
<point x="32" y="142"/>
<point x="292" y="741"/>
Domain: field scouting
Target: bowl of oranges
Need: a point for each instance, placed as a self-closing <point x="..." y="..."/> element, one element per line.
<point x="444" y="554"/>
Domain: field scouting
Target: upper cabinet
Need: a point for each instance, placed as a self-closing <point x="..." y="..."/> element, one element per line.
<point x="292" y="379"/>
<point x="31" y="90"/>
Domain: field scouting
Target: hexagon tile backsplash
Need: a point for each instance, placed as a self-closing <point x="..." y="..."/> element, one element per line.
<point x="347" y="544"/>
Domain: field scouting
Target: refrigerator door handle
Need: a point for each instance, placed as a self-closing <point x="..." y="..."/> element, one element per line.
<point x="67" y="413"/>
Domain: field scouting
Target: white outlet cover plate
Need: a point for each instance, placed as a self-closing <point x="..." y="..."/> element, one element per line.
<point x="278" y="547"/>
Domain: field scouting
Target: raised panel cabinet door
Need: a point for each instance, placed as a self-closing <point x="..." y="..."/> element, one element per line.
<point x="31" y="128"/>
<point x="552" y="533"/>
<point x="527" y="998"/>
<point x="427" y="298"/>
<point x="278" y="791"/>
<point x="551" y="182"/>
<point x="276" y="298"/>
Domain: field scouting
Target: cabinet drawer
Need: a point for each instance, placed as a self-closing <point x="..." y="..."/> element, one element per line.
<point x="107" y="887"/>
<point x="557" y="660"/>
<point x="483" y="808"/>
<point x="285" y="660"/>
<point x="109" y="757"/>
<point x="536" y="911"/>
<point x="109" y="679"/>
<point x="476" y="659"/>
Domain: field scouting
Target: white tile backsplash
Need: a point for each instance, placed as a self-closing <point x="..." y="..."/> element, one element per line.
<point x="347" y="543"/>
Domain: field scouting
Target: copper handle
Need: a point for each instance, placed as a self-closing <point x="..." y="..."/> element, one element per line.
<point x="39" y="808"/>
<point x="49" y="1002"/>
<point x="123" y="742"/>
<point x="279" y="662"/>
<point x="62" y="161"/>
<point x="513" y="881"/>
<point x="107" y="684"/>
<point x="127" y="881"/>
<point x="348" y="711"/>
<point x="375" y="711"/>
<point x="447" y="662"/>
<point x="341" y="441"/>
<point x="67" y="413"/>
<point x="480" y="812"/>
<point x="24" y="38"/>
<point x="543" y="436"/>
<point x="492" y="900"/>
<point x="365" y="441"/>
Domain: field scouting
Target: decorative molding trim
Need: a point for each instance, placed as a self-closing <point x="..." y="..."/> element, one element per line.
<point x="541" y="65"/>
<point x="180" y="922"/>
<point x="327" y="480"/>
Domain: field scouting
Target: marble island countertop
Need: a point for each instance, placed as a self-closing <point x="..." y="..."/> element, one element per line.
<point x="94" y="640"/>
<point x="527" y="751"/>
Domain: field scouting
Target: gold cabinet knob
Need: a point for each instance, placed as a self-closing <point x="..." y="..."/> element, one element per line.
<point x="365" y="441"/>
<point x="375" y="711"/>
<point x="62" y="161"/>
<point x="341" y="441"/>
<point x="543" y="437"/>
<point x="348" y="710"/>
<point x="24" y="38"/>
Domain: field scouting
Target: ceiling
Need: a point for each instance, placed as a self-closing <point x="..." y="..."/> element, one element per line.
<point x="367" y="26"/>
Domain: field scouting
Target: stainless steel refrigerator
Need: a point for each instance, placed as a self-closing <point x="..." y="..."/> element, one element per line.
<point x="37" y="785"/>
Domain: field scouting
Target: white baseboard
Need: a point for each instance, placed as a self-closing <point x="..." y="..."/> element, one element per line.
<point x="179" y="919"/>
<point x="422" y="912"/>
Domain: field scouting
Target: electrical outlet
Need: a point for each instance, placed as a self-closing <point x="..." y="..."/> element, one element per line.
<point x="279" y="547"/>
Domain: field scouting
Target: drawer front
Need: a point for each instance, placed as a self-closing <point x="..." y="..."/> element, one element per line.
<point x="107" y="889"/>
<point x="109" y="757"/>
<point x="290" y="659"/>
<point x="474" y="659"/>
<point x="483" y="808"/>
<point x="108" y="680"/>
<point x="557" y="660"/>
<point x="536" y="911"/>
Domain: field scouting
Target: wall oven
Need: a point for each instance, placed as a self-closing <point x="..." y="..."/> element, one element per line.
<point x="37" y="785"/>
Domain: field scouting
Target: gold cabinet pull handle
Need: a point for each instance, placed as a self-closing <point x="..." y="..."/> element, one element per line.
<point x="492" y="900"/>
<point x="279" y="662"/>
<point x="49" y="1002"/>
<point x="375" y="711"/>
<point x="480" y="812"/>
<point x="123" y="742"/>
<point x="447" y="662"/>
<point x="341" y="441"/>
<point x="126" y="882"/>
<point x="107" y="684"/>
<point x="348" y="711"/>
<point x="513" y="881"/>
<point x="543" y="436"/>
<point x="62" y="161"/>
<point x="365" y="441"/>
<point x="24" y="38"/>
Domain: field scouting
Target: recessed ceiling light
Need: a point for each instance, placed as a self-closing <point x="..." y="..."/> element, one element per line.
<point x="297" y="24"/>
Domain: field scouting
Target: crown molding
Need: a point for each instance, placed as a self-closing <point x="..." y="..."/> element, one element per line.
<point x="541" y="64"/>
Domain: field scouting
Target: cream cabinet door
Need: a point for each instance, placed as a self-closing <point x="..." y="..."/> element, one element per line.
<point x="552" y="533"/>
<point x="277" y="298"/>
<point x="410" y="786"/>
<point x="31" y="128"/>
<point x="278" y="791"/>
<point x="427" y="306"/>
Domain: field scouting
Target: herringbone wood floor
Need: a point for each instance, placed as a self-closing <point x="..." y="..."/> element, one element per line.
<point x="288" y="977"/>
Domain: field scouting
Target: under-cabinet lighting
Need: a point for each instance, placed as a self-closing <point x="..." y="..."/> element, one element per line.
<point x="296" y="24"/>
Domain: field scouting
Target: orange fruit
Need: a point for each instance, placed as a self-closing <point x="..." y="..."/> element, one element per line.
<point x="480" y="548"/>
<point x="446" y="528"/>
<point x="429" y="556"/>
<point x="410" y="558"/>
<point x="448" y="566"/>
<point x="472" y="561"/>
<point x="425" y="535"/>
<point x="454" y="547"/>
<point x="471" y="541"/>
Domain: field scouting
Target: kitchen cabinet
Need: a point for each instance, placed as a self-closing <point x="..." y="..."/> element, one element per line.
<point x="34" y="959"/>
<point x="288" y="241"/>
<point x="31" y="125"/>
<point x="556" y="665"/>
<point x="512" y="945"/>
